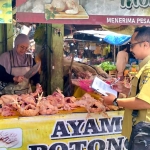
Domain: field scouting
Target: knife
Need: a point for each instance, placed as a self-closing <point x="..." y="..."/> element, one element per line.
<point x="33" y="70"/>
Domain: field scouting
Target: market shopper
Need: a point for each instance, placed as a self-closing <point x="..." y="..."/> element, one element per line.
<point x="139" y="97"/>
<point x="13" y="66"/>
<point x="122" y="60"/>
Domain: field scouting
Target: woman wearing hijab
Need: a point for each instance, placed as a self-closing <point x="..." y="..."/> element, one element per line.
<point x="14" y="65"/>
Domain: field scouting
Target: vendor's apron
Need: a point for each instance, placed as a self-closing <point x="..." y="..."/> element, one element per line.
<point x="18" y="88"/>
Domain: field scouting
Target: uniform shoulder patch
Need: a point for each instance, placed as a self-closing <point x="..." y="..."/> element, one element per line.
<point x="145" y="76"/>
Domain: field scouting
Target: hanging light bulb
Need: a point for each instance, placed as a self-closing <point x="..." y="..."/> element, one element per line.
<point x="86" y="48"/>
<point x="100" y="39"/>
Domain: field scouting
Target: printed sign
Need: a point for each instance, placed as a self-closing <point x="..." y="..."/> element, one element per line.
<point x="5" y="11"/>
<point x="65" y="132"/>
<point x="84" y="11"/>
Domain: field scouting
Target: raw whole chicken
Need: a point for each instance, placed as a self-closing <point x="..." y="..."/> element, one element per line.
<point x="69" y="6"/>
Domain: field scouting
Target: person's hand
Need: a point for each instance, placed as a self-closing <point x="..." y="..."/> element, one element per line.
<point x="119" y="86"/>
<point x="121" y="78"/>
<point x="108" y="100"/>
<point x="18" y="79"/>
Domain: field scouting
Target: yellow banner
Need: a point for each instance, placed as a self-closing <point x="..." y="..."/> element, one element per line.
<point x="75" y="131"/>
<point x="5" y="11"/>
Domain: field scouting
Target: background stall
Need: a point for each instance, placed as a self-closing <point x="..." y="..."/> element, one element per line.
<point x="67" y="131"/>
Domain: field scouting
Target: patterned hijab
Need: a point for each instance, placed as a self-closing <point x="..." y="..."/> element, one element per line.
<point x="19" y="60"/>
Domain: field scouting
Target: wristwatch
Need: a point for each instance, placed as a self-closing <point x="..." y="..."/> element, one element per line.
<point x="115" y="102"/>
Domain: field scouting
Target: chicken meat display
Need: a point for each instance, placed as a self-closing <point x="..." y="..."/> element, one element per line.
<point x="34" y="104"/>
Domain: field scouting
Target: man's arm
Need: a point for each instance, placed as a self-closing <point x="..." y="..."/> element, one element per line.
<point x="133" y="103"/>
<point x="140" y="101"/>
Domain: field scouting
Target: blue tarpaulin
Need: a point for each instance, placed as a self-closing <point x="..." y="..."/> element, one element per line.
<point x="117" y="39"/>
<point x="109" y="36"/>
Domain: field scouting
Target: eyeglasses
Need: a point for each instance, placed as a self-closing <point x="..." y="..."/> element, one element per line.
<point x="24" y="48"/>
<point x="132" y="45"/>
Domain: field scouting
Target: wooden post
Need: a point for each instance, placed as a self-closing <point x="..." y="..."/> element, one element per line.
<point x="114" y="54"/>
<point x="10" y="36"/>
<point x="3" y="38"/>
<point x="55" y="34"/>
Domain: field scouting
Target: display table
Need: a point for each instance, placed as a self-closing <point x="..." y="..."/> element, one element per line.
<point x="73" y="131"/>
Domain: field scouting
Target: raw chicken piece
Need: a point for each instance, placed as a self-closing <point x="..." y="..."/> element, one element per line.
<point x="9" y="99"/>
<point x="59" y="97"/>
<point x="70" y="103"/>
<point x="7" y="111"/>
<point x="27" y="99"/>
<point x="92" y="105"/>
<point x="46" y="108"/>
<point x="30" y="109"/>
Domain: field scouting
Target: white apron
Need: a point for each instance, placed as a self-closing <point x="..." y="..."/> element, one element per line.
<point x="18" y="88"/>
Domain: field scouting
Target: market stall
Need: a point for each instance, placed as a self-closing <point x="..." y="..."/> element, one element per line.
<point x="55" y="121"/>
<point x="106" y="39"/>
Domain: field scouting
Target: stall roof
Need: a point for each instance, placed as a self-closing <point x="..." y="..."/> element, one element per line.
<point x="71" y="28"/>
<point x="107" y="36"/>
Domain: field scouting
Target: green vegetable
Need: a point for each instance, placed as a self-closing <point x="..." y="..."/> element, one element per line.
<point x="7" y="5"/>
<point x="1" y="20"/>
<point x="107" y="66"/>
<point x="55" y="11"/>
<point x="9" y="12"/>
<point x="50" y="13"/>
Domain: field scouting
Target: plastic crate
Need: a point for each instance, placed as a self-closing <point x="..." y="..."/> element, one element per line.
<point x="113" y="73"/>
